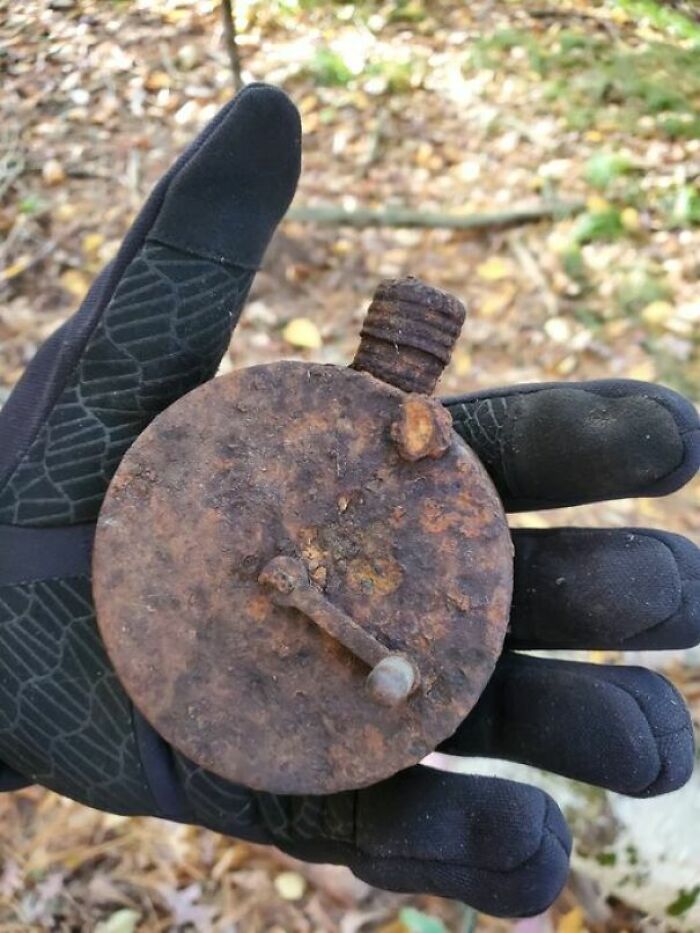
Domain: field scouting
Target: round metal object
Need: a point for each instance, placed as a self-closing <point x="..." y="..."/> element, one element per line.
<point x="405" y="539"/>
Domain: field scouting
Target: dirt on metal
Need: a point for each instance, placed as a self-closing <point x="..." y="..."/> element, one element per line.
<point x="301" y="461"/>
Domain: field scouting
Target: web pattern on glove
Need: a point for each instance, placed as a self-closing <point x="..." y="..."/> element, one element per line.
<point x="163" y="333"/>
<point x="65" y="721"/>
<point x="481" y="423"/>
<point x="234" y="809"/>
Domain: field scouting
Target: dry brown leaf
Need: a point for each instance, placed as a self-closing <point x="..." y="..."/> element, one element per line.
<point x="290" y="885"/>
<point x="494" y="269"/>
<point x="75" y="282"/>
<point x="53" y="172"/>
<point x="303" y="334"/>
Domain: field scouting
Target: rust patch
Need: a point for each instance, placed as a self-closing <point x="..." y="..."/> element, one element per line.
<point x="381" y="575"/>
<point x="423" y="428"/>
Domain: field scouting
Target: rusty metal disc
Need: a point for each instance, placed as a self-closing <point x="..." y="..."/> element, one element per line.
<point x="300" y="461"/>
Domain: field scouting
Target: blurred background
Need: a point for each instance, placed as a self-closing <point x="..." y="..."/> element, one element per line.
<point x="542" y="161"/>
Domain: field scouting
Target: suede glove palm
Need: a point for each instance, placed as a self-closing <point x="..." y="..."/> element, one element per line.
<point x="155" y="325"/>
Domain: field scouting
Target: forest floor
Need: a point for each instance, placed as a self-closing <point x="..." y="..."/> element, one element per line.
<point x="440" y="107"/>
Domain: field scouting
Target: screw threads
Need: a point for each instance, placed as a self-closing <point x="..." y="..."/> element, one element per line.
<point x="408" y="334"/>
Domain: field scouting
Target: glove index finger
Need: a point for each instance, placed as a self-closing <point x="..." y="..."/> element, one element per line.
<point x="157" y="322"/>
<point x="225" y="203"/>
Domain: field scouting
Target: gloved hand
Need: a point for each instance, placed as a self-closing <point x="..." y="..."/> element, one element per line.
<point x="154" y="325"/>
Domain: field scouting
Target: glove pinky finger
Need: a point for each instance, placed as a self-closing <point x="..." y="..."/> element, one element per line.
<point x="497" y="845"/>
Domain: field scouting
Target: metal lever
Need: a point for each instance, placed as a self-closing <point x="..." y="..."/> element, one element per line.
<point x="393" y="676"/>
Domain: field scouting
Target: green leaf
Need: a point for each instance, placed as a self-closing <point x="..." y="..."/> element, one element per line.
<point x="604" y="167"/>
<point x="606" y="858"/>
<point x="639" y="289"/>
<point x="417" y="922"/>
<point x="686" y="207"/>
<point x="603" y="225"/>
<point x="684" y="901"/>
<point x="575" y="265"/>
<point x="328" y="69"/>
<point x="32" y="204"/>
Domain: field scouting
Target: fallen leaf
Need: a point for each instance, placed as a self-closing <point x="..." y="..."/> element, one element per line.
<point x="290" y="885"/>
<point x="462" y="362"/>
<point x="497" y="301"/>
<point x="597" y="205"/>
<point x="572" y="922"/>
<point x="67" y="210"/>
<point x="184" y="903"/>
<point x="394" y="927"/>
<point x="657" y="313"/>
<point x="14" y="269"/>
<point x="121" y="921"/>
<point x="302" y="333"/>
<point x="53" y="172"/>
<point x="75" y="282"/>
<point x="567" y="365"/>
<point x="157" y="80"/>
<point x="630" y="219"/>
<point x="92" y="243"/>
<point x="188" y="57"/>
<point x="645" y="371"/>
<point x="493" y="269"/>
<point x="558" y="329"/>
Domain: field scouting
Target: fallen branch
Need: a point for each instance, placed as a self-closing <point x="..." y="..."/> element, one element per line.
<point x="229" y="19"/>
<point x="601" y="23"/>
<point x="403" y="217"/>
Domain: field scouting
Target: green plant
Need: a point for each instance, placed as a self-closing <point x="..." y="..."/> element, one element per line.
<point x="32" y="204"/>
<point x="662" y="16"/>
<point x="398" y="76"/>
<point x="659" y="80"/>
<point x="684" y="377"/>
<point x="329" y="69"/>
<point x="408" y="11"/>
<point x="640" y="288"/>
<point x="683" y="126"/>
<point x="575" y="265"/>
<point x="603" y="168"/>
<point x="686" y="206"/>
<point x="684" y="901"/>
<point x="598" y="225"/>
<point x="592" y="81"/>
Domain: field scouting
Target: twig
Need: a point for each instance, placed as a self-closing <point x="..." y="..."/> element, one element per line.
<point x="229" y="18"/>
<point x="44" y="251"/>
<point x="29" y="263"/>
<point x="376" y="139"/>
<point x="402" y="217"/>
<point x="11" y="167"/>
<point x="601" y="23"/>
<point x="534" y="272"/>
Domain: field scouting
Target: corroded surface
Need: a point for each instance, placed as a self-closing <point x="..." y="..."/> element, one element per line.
<point x="423" y="428"/>
<point x="297" y="459"/>
<point x="409" y="333"/>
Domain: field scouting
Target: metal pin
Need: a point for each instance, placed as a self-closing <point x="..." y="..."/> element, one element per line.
<point x="393" y="676"/>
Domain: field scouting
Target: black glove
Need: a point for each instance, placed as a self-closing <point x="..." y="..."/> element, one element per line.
<point x="156" y="324"/>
